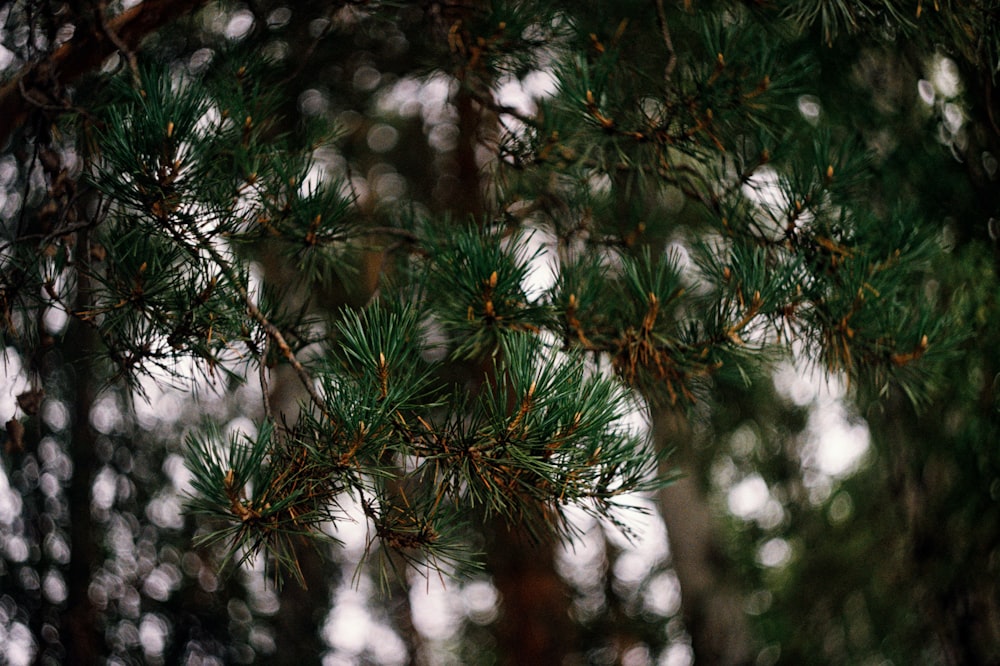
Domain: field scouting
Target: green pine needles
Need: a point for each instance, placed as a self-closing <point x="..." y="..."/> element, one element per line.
<point x="688" y="234"/>
<point x="542" y="432"/>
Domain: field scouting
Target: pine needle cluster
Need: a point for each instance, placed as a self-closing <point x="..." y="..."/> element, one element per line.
<point x="690" y="232"/>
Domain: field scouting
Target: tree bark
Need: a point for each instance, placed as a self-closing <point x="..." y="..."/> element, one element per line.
<point x="712" y="605"/>
<point x="534" y="625"/>
<point x="303" y="609"/>
<point x="83" y="54"/>
<point x="298" y="623"/>
<point x="82" y="634"/>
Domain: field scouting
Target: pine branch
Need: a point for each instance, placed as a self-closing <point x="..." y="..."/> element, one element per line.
<point x="272" y="331"/>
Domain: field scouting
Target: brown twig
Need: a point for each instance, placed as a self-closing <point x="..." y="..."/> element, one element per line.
<point x="272" y="331"/>
<point x="661" y="19"/>
<point x="127" y="52"/>
<point x="265" y="388"/>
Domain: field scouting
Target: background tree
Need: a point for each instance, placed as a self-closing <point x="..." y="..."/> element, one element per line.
<point x="326" y="226"/>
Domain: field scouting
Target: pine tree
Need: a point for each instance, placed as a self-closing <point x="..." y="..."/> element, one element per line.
<point x="182" y="223"/>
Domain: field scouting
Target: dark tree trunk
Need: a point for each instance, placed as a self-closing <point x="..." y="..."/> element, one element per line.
<point x="300" y="618"/>
<point x="534" y="625"/>
<point x="298" y="623"/>
<point x="711" y="603"/>
<point x="467" y="198"/>
<point x="82" y="633"/>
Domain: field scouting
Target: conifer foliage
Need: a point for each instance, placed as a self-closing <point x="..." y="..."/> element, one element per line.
<point x="662" y="219"/>
<point x="191" y="173"/>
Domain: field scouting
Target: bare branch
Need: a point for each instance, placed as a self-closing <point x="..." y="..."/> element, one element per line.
<point x="661" y="18"/>
<point x="85" y="53"/>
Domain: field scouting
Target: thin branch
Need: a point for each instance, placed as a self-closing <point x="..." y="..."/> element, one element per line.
<point x="279" y="340"/>
<point x="45" y="238"/>
<point x="265" y="388"/>
<point x="124" y="48"/>
<point x="661" y="19"/>
<point x="31" y="98"/>
<point x="272" y="331"/>
<point x="487" y="101"/>
<point x="305" y="56"/>
<point x="404" y="234"/>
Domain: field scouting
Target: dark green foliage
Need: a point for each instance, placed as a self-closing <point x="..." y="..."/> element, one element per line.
<point x="476" y="287"/>
<point x="540" y="436"/>
<point x="195" y="171"/>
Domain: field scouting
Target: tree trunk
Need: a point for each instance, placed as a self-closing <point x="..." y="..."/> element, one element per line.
<point x="711" y="603"/>
<point x="303" y="610"/>
<point x="81" y="632"/>
<point x="534" y="625"/>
